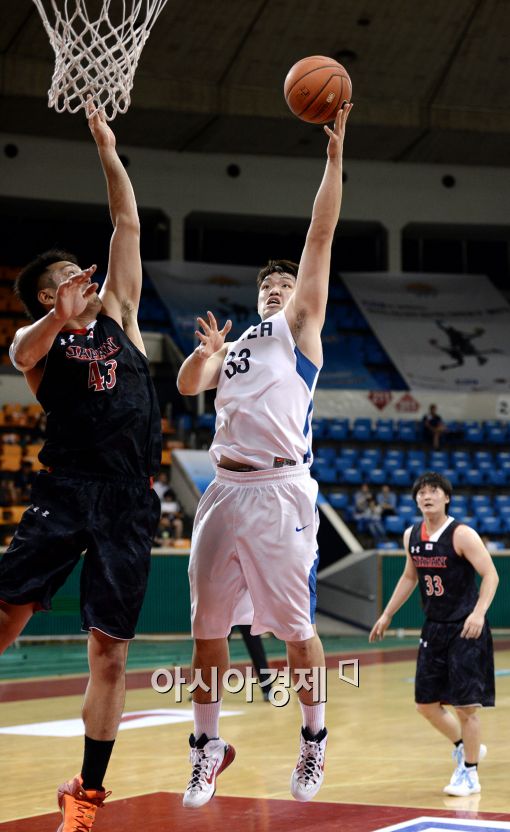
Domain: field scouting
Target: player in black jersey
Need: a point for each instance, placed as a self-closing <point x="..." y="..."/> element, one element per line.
<point x="455" y="663"/>
<point x="84" y="359"/>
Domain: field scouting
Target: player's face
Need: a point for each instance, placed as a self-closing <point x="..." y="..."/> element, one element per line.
<point x="431" y="499"/>
<point x="275" y="290"/>
<point x="56" y="274"/>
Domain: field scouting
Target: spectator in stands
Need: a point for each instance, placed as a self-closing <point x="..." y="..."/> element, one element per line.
<point x="433" y="427"/>
<point x="387" y="501"/>
<point x="8" y="493"/>
<point x="24" y="480"/>
<point x="161" y="484"/>
<point x="362" y="498"/>
<point x="39" y="429"/>
<point x="373" y="523"/>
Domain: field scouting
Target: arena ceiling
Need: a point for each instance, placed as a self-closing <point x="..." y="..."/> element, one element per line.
<point x="431" y="78"/>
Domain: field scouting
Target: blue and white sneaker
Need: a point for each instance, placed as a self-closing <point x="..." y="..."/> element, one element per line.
<point x="459" y="760"/>
<point x="464" y="782"/>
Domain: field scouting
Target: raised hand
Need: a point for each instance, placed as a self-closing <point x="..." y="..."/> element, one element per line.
<point x="103" y="135"/>
<point x="212" y="338"/>
<point x="73" y="295"/>
<point x="336" y="135"/>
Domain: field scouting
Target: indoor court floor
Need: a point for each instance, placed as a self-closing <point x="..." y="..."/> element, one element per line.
<point x="385" y="766"/>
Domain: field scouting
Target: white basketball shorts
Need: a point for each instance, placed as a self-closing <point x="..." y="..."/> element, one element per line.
<point x="254" y="554"/>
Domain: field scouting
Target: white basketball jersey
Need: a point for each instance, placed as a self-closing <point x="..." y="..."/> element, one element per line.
<point x="264" y="398"/>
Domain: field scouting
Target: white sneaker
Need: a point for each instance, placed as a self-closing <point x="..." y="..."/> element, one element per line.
<point x="208" y="758"/>
<point x="463" y="783"/>
<point x="459" y="759"/>
<point x="308" y="775"/>
<point x="458" y="754"/>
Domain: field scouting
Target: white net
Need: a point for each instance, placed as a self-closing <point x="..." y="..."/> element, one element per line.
<point x="97" y="54"/>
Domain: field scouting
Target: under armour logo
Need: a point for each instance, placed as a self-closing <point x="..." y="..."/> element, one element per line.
<point x="415" y="549"/>
<point x="62" y="342"/>
<point x="35" y="508"/>
<point x="71" y="339"/>
<point x="44" y="513"/>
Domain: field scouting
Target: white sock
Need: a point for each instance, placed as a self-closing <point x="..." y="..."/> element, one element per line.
<point x="207" y="719"/>
<point x="313" y="716"/>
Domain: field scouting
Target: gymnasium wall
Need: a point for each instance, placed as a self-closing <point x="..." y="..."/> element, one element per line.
<point x="393" y="194"/>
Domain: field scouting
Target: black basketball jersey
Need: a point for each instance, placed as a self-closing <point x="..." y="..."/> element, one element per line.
<point x="446" y="580"/>
<point x="102" y="412"/>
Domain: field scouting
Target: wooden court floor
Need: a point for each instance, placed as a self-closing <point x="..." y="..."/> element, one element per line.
<point x="385" y="765"/>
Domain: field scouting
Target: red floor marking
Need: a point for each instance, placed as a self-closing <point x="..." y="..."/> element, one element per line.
<point x="43" y="688"/>
<point x="163" y="810"/>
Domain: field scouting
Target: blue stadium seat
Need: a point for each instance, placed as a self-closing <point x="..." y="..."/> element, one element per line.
<point x="338" y="430"/>
<point x="474" y="435"/>
<point x="482" y="456"/>
<point x="394" y="453"/>
<point x="388" y="545"/>
<point x="383" y="433"/>
<point x="480" y="500"/>
<point x="407" y="513"/>
<point x="496" y="435"/>
<point x="439" y="458"/>
<point x="460" y="455"/>
<point x="413" y="454"/>
<point x="407" y="500"/>
<point x="407" y="432"/>
<point x="352" y="476"/>
<point x="349" y="453"/>
<point x="458" y="502"/>
<point x="483" y="511"/>
<point x="325" y="473"/>
<point x="400" y="476"/>
<point x="491" y="525"/>
<point x="378" y="476"/>
<point x="327" y="452"/>
<point x="362" y="433"/>
<point x="452" y="475"/>
<point x="502" y="500"/>
<point x="415" y="467"/>
<point x="391" y="464"/>
<point x="394" y="524"/>
<point x="374" y="453"/>
<point x="497" y="477"/>
<point x="338" y="499"/>
<point x="473" y="477"/>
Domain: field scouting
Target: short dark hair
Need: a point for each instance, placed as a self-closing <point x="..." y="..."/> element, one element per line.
<point x="27" y="283"/>
<point x="435" y="480"/>
<point x="280" y="266"/>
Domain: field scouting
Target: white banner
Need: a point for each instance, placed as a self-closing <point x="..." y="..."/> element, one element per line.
<point x="409" y="405"/>
<point x="442" y="331"/>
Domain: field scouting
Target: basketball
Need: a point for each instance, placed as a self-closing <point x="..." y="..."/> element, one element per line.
<point x="315" y="88"/>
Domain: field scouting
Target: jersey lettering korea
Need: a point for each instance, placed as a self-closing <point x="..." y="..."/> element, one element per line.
<point x="102" y="411"/>
<point x="264" y="398"/>
<point x="446" y="580"/>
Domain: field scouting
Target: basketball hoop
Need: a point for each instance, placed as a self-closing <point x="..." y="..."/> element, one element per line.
<point x="97" y="57"/>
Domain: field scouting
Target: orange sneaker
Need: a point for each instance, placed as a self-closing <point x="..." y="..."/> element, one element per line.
<point x="78" y="806"/>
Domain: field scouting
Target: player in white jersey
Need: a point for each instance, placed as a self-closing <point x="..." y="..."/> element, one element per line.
<point x="254" y="548"/>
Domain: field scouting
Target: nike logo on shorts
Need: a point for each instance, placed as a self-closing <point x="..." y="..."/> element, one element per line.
<point x="302" y="527"/>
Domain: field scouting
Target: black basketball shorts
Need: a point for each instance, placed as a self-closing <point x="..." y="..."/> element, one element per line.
<point x="113" y="523"/>
<point x="454" y="670"/>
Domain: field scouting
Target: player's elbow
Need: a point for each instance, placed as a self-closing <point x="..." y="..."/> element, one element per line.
<point x="186" y="388"/>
